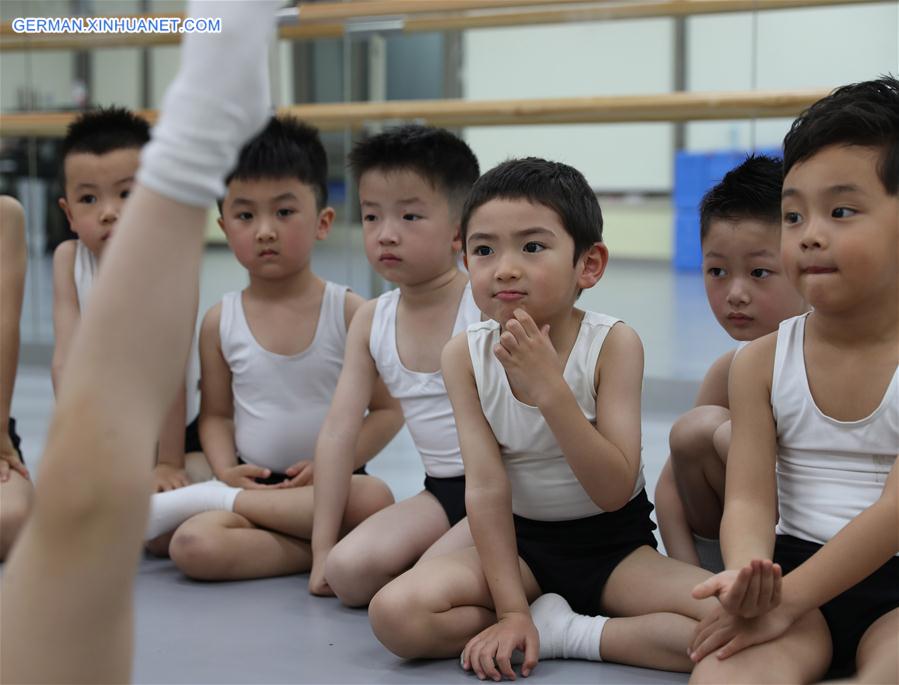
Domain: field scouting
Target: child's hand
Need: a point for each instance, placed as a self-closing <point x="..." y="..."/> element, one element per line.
<point x="729" y="634"/>
<point x="10" y="460"/>
<point x="317" y="583"/>
<point x="245" y="475"/>
<point x="300" y="474"/>
<point x="167" y="477"/>
<point x="489" y="652"/>
<point x="528" y="356"/>
<point x="752" y="591"/>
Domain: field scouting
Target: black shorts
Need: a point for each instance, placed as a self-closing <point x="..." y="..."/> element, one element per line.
<point x="276" y="477"/>
<point x="450" y="492"/>
<point x="14" y="437"/>
<point x="851" y="613"/>
<point x="575" y="558"/>
<point x="192" y="437"/>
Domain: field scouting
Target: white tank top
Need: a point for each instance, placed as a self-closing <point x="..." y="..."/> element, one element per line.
<point x="85" y="272"/>
<point x="86" y="266"/>
<point x="426" y="406"/>
<point x="544" y="487"/>
<point x="828" y="471"/>
<point x="280" y="401"/>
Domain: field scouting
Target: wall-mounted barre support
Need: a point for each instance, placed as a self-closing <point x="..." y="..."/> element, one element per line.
<point x="664" y="107"/>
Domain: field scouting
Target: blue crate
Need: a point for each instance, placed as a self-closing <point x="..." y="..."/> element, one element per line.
<point x="694" y="174"/>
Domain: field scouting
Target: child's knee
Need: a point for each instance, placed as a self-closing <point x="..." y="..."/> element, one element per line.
<point x="198" y="552"/>
<point x="348" y="569"/>
<point x="369" y="495"/>
<point x="692" y="434"/>
<point x="395" y="613"/>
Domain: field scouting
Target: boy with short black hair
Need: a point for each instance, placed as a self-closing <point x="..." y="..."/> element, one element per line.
<point x="413" y="181"/>
<point x="547" y="402"/>
<point x="750" y="295"/>
<point x="271" y="355"/>
<point x="100" y="155"/>
<point x="812" y="488"/>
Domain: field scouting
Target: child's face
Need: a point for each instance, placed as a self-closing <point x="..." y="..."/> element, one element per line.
<point x="272" y="225"/>
<point x="519" y="255"/>
<point x="95" y="192"/>
<point x="410" y="235"/>
<point x="840" y="235"/>
<point x="745" y="282"/>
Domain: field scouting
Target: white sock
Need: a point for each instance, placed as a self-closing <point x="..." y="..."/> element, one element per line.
<point x="218" y="100"/>
<point x="563" y="633"/>
<point x="168" y="510"/>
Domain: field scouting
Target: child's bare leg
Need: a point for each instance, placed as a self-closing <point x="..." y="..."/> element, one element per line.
<point x="68" y="584"/>
<point x="15" y="503"/>
<point x="267" y="534"/>
<point x="877" y="657"/>
<point x="456" y="538"/>
<point x="222" y="545"/>
<point x="800" y="655"/>
<point x="652" y="641"/>
<point x="96" y="471"/>
<point x="383" y="547"/>
<point x="672" y="517"/>
<point x="650" y="594"/>
<point x="290" y="510"/>
<point x="432" y="610"/>
<point x="698" y="470"/>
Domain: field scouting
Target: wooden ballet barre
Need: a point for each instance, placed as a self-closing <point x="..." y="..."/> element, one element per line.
<point x="582" y="11"/>
<point x="664" y="107"/>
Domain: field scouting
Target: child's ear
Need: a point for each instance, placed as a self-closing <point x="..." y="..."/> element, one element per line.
<point x="64" y="206"/>
<point x="221" y="222"/>
<point x="325" y="221"/>
<point x="457" y="239"/>
<point x="592" y="265"/>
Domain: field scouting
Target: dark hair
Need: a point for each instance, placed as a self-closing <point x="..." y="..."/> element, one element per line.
<point x="103" y="130"/>
<point x="440" y="157"/>
<point x="865" y="114"/>
<point x="285" y="148"/>
<point x="555" y="185"/>
<point x="749" y="191"/>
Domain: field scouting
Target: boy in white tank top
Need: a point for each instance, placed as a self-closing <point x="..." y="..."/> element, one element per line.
<point x="547" y="403"/>
<point x="412" y="182"/>
<point x="271" y="355"/>
<point x="68" y="586"/>
<point x="749" y="294"/>
<point x="816" y="421"/>
<point x="99" y="161"/>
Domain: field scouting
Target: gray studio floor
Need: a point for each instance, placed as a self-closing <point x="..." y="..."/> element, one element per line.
<point x="273" y="631"/>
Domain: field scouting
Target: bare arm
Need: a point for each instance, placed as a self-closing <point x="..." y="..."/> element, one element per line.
<point x="488" y="501"/>
<point x="169" y="471"/>
<point x="339" y="436"/>
<point x="216" y="400"/>
<point x="488" y="495"/>
<point x="13" y="263"/>
<point x="66" y="312"/>
<point x="750" y="506"/>
<point x="605" y="458"/>
<point x="385" y="415"/>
